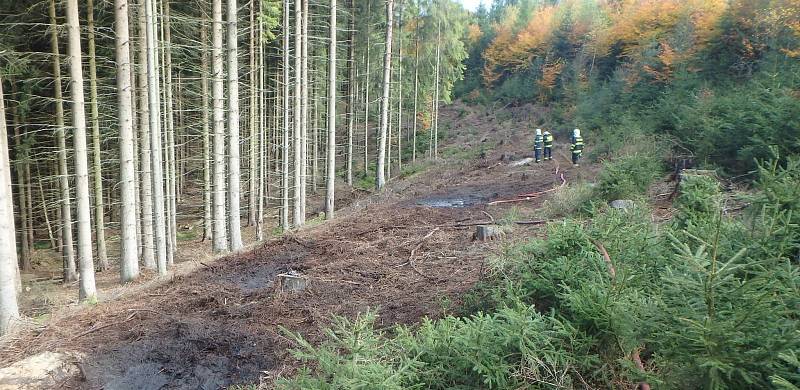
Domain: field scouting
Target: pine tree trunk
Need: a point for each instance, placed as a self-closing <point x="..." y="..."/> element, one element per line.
<point x="330" y="182"/>
<point x="207" y="206"/>
<point x="351" y="90"/>
<point x="297" y="219"/>
<point x="46" y="214"/>
<point x="234" y="223"/>
<point x="157" y="174"/>
<point x="220" y="243"/>
<point x="400" y="91"/>
<point x="387" y="74"/>
<point x="145" y="159"/>
<point x="19" y="160"/>
<point x="169" y="136"/>
<point x="252" y="208"/>
<point x="99" y="224"/>
<point x="135" y="127"/>
<point x="304" y="83"/>
<point x="87" y="290"/>
<point x="129" y="266"/>
<point x="67" y="247"/>
<point x="436" y="92"/>
<point x="9" y="311"/>
<point x="285" y="140"/>
<point x="416" y="95"/>
<point x="262" y="131"/>
<point x="366" y="92"/>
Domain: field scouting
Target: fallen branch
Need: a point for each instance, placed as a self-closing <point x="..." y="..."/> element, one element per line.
<point x="606" y="257"/>
<point x="414" y="252"/>
<point x="533" y="195"/>
<point x="96" y="328"/>
<point x="532" y="222"/>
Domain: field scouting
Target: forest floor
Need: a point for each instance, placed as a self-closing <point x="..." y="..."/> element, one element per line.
<point x="407" y="252"/>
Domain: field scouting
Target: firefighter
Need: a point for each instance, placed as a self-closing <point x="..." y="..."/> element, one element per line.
<point x="548" y="145"/>
<point x="577" y="146"/>
<point x="538" y="145"/>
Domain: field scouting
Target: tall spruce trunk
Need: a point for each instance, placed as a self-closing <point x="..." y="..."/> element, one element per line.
<point x="400" y="91"/>
<point x="9" y="310"/>
<point x="330" y="179"/>
<point x="220" y="243"/>
<point x="304" y="87"/>
<point x="157" y="170"/>
<point x="145" y="159"/>
<point x="285" y="113"/>
<point x="351" y="90"/>
<point x="67" y="246"/>
<point x="20" y="156"/>
<point x="297" y="210"/>
<point x="207" y="206"/>
<point x="129" y="265"/>
<point x="234" y="221"/>
<point x="172" y="237"/>
<point x="262" y="133"/>
<point x="134" y="125"/>
<point x="87" y="291"/>
<point x="387" y="74"/>
<point x="366" y="92"/>
<point x="416" y="94"/>
<point x="435" y="132"/>
<point x="99" y="217"/>
<point x="252" y="204"/>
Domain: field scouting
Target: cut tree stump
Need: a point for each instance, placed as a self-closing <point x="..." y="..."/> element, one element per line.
<point x="487" y="233"/>
<point x="292" y="281"/>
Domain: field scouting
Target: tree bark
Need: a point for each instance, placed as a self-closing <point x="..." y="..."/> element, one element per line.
<point x="146" y="183"/>
<point x="351" y="90"/>
<point x="99" y="217"/>
<point x="129" y="266"/>
<point x="252" y="204"/>
<point x="330" y="182"/>
<point x="262" y="133"/>
<point x="207" y="206"/>
<point x="435" y="118"/>
<point x="387" y="72"/>
<point x="157" y="174"/>
<point x="233" y="130"/>
<point x="366" y="92"/>
<point x="297" y="218"/>
<point x="20" y="156"/>
<point x="400" y="91"/>
<point x="285" y="140"/>
<point x="220" y="243"/>
<point x="416" y="93"/>
<point x="304" y="86"/>
<point x="87" y="291"/>
<point x="67" y="249"/>
<point x="172" y="237"/>
<point x="9" y="311"/>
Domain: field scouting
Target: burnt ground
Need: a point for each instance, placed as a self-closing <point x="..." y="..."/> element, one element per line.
<point x="219" y="325"/>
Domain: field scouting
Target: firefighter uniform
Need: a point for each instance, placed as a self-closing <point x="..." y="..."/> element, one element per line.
<point x="577" y="146"/>
<point x="538" y="145"/>
<point x="548" y="146"/>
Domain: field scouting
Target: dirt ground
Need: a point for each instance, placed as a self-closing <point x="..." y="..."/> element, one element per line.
<point x="407" y="252"/>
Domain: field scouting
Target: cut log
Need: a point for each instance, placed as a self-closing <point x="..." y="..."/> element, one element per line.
<point x="487" y="233"/>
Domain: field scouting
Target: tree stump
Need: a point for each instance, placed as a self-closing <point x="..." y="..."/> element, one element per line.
<point x="292" y="281"/>
<point x="487" y="233"/>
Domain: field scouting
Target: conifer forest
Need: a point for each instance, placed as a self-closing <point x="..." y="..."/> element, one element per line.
<point x="399" y="194"/>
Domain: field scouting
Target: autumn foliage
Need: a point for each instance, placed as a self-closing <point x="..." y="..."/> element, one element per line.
<point x="652" y="37"/>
